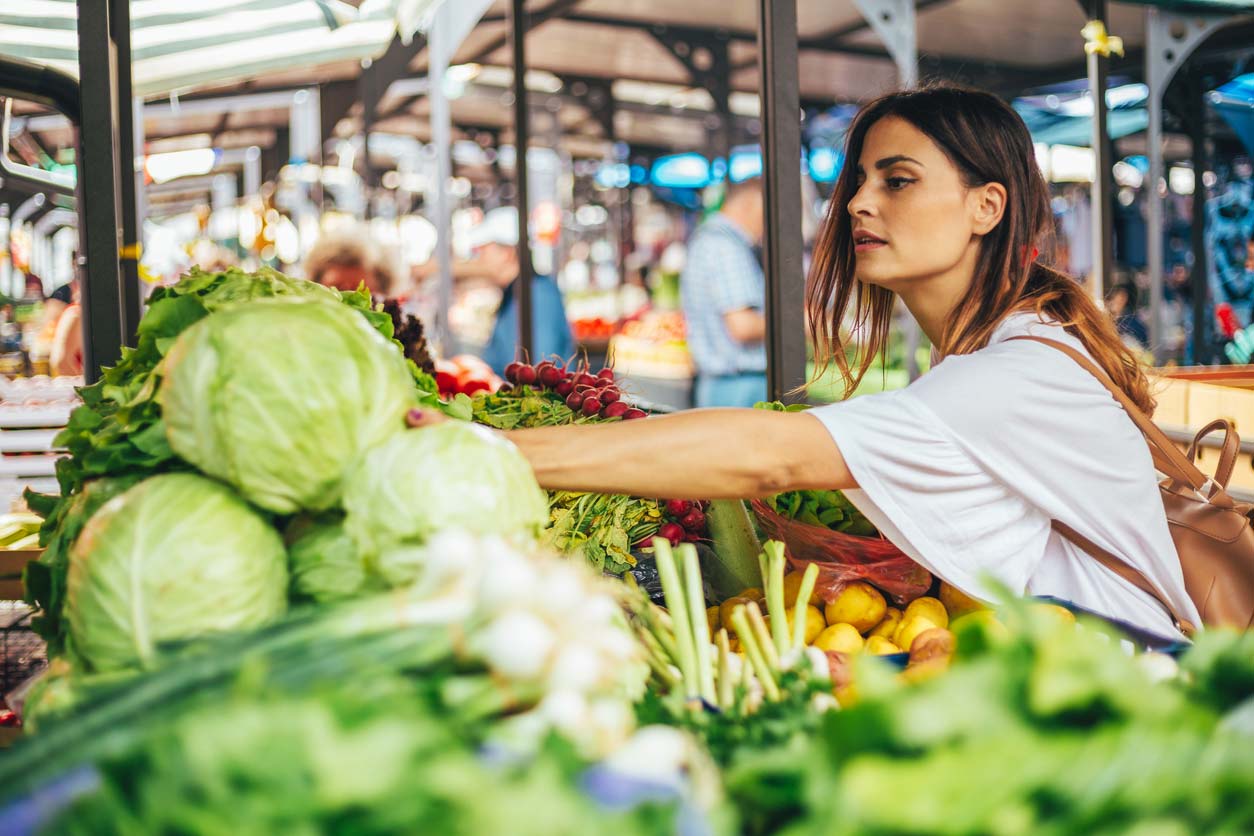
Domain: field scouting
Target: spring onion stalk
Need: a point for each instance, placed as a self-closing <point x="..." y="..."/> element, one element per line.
<point x="700" y="626"/>
<point x="725" y="685"/>
<point x="803" y="602"/>
<point x="754" y="650"/>
<point x="775" y="596"/>
<point x="663" y="629"/>
<point x="762" y="634"/>
<point x="676" y="607"/>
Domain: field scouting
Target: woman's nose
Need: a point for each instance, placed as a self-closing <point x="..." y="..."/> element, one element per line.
<point x="860" y="203"/>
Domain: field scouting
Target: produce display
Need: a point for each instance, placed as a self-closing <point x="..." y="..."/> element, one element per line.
<point x="272" y="607"/>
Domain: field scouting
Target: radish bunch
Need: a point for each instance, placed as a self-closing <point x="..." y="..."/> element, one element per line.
<point x="685" y="522"/>
<point x="584" y="393"/>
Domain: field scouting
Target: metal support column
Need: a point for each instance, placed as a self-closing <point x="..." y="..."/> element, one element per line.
<point x="1169" y="40"/>
<point x="98" y="199"/>
<point x="1100" y="196"/>
<point x="1201" y="286"/>
<point x="895" y="23"/>
<point x="781" y="141"/>
<point x="132" y="230"/>
<point x="522" y="133"/>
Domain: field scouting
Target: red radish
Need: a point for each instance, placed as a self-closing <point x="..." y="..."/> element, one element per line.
<point x="445" y="382"/>
<point x="472" y="386"/>
<point x="671" y="531"/>
<point x="610" y="395"/>
<point x="606" y="374"/>
<point x="586" y="379"/>
<point x="526" y="375"/>
<point x="694" y="520"/>
<point x="614" y="410"/>
<point x="591" y="406"/>
<point x="511" y="372"/>
<point x="575" y="401"/>
<point x="564" y="388"/>
<point x="549" y="376"/>
<point x="693" y="537"/>
<point x="632" y="414"/>
<point x="678" y="507"/>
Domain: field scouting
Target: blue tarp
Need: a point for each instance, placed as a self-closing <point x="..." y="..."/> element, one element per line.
<point x="1235" y="103"/>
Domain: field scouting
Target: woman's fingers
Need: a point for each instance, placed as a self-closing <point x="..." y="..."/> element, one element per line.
<point x="424" y="417"/>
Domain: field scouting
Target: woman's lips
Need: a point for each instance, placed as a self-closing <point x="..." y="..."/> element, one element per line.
<point x="868" y="246"/>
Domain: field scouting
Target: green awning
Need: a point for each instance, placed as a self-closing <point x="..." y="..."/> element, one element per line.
<point x="183" y="44"/>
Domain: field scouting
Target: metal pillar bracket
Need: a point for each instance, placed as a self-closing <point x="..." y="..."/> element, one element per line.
<point x="706" y="58"/>
<point x="894" y="22"/>
<point x="596" y="95"/>
<point x="1170" y="39"/>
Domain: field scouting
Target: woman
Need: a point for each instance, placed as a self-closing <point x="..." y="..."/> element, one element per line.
<point x="941" y="204"/>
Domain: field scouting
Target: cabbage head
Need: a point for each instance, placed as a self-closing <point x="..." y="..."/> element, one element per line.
<point x="175" y="557"/>
<point x="278" y="398"/>
<point x="326" y="564"/>
<point x="452" y="475"/>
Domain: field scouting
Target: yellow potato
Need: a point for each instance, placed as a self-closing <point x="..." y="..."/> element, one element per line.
<point x="911" y="627"/>
<point x="814" y="623"/>
<point x="958" y="602"/>
<point x="859" y="604"/>
<point x="840" y="638"/>
<point x="930" y="608"/>
<point x="932" y="645"/>
<point x="712" y="618"/>
<point x="792" y="587"/>
<point x="887" y="627"/>
<point x="726" y="609"/>
<point x="1060" y="613"/>
<point x="880" y="646"/>
<point x="752" y="593"/>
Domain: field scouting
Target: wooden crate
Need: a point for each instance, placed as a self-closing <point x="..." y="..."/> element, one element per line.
<point x="11" y="565"/>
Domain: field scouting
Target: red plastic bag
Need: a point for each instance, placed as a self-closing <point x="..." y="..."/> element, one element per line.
<point x="845" y="558"/>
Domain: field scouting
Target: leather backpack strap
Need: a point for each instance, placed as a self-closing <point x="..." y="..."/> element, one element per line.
<point x="1125" y="571"/>
<point x="1167" y="457"/>
<point x="1175" y="466"/>
<point x="1227" y="454"/>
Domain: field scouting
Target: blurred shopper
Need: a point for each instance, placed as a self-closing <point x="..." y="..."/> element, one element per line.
<point x="346" y="262"/>
<point x="495" y="243"/>
<point x="723" y="293"/>
<point x="1121" y="304"/>
<point x="66" y="355"/>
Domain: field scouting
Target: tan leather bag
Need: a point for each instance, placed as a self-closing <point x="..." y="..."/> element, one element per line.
<point x="1212" y="532"/>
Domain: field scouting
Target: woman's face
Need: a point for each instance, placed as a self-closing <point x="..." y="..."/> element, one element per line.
<point x="912" y="217"/>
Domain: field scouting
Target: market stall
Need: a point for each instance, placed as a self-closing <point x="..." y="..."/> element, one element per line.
<point x="271" y="604"/>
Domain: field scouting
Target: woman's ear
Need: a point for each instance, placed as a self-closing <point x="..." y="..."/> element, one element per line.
<point x="988" y="204"/>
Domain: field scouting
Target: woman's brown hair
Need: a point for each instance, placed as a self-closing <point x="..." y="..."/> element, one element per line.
<point x="988" y="143"/>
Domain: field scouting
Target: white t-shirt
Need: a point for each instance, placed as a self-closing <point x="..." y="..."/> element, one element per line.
<point x="964" y="470"/>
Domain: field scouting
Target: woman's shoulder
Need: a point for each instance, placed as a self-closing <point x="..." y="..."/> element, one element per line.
<point x="1011" y="377"/>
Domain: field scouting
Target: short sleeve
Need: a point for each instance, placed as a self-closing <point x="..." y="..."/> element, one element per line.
<point x="928" y="496"/>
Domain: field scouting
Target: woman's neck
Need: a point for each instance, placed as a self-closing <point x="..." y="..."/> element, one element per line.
<point x="934" y="299"/>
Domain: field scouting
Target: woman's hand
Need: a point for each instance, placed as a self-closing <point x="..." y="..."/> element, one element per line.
<point x="417" y="418"/>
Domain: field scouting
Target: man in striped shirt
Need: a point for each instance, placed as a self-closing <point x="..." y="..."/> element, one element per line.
<point x="723" y="292"/>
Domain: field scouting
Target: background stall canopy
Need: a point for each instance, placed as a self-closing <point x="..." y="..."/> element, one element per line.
<point x="180" y="44"/>
<point x="1234" y="101"/>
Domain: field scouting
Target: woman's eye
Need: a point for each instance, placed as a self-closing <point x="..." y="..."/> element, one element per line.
<point x="898" y="183"/>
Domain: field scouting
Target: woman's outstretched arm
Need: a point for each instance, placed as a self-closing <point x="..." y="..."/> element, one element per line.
<point x="703" y="454"/>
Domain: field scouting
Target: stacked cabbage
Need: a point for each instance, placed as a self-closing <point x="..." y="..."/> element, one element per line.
<point x="287" y="405"/>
